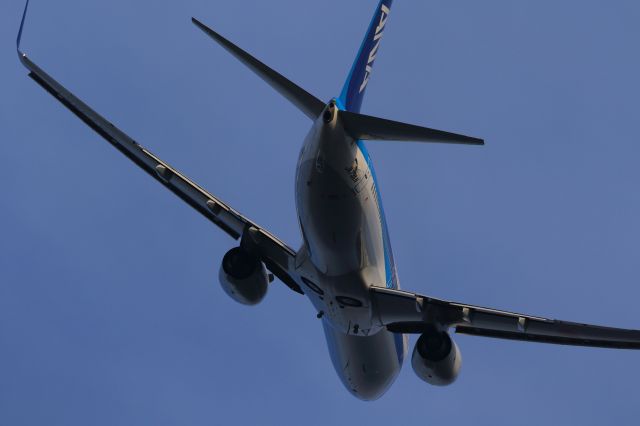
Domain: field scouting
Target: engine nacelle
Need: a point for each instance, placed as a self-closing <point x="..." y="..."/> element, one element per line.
<point x="243" y="277"/>
<point x="436" y="358"/>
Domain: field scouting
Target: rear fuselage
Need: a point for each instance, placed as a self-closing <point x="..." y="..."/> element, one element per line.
<point x="346" y="250"/>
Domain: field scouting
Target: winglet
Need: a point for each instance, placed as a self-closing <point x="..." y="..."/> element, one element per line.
<point x="24" y="15"/>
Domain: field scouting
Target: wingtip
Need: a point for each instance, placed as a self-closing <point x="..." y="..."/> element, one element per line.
<point x="19" y="38"/>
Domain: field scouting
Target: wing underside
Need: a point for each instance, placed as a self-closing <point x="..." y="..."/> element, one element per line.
<point x="277" y="256"/>
<point x="405" y="312"/>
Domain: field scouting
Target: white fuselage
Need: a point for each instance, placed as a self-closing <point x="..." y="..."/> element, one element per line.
<point x="346" y="250"/>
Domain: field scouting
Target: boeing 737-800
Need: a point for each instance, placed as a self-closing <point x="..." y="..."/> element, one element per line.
<point x="345" y="265"/>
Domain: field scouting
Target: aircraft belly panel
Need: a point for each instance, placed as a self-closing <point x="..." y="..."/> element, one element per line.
<point x="367" y="366"/>
<point x="341" y="227"/>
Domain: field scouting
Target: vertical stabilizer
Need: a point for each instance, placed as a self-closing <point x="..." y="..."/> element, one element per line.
<point x="354" y="88"/>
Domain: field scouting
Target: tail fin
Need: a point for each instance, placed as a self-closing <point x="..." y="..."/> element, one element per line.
<point x="353" y="90"/>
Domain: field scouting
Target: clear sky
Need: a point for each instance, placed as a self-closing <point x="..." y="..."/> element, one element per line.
<point x="110" y="309"/>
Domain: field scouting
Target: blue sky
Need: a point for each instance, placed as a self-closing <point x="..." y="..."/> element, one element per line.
<point x="110" y="310"/>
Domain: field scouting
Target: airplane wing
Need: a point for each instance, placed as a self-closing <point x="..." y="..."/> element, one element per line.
<point x="405" y="312"/>
<point x="277" y="256"/>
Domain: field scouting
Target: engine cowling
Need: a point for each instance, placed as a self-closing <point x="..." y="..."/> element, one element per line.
<point x="243" y="277"/>
<point x="436" y="358"/>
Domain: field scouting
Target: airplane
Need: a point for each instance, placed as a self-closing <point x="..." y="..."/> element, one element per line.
<point x="345" y="265"/>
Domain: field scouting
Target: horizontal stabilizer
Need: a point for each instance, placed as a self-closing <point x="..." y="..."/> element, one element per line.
<point x="306" y="102"/>
<point x="366" y="127"/>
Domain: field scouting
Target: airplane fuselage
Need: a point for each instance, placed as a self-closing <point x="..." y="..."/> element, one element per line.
<point x="346" y="250"/>
<point x="345" y="265"/>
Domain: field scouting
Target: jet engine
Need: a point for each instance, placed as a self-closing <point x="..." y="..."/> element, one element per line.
<point x="243" y="276"/>
<point x="436" y="358"/>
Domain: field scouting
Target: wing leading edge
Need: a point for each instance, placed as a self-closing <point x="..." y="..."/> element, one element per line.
<point x="277" y="256"/>
<point x="405" y="312"/>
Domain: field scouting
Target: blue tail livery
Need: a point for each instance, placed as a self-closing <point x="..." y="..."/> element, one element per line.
<point x="344" y="265"/>
<point x="356" y="84"/>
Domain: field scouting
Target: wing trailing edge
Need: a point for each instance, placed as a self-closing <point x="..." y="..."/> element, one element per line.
<point x="405" y="312"/>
